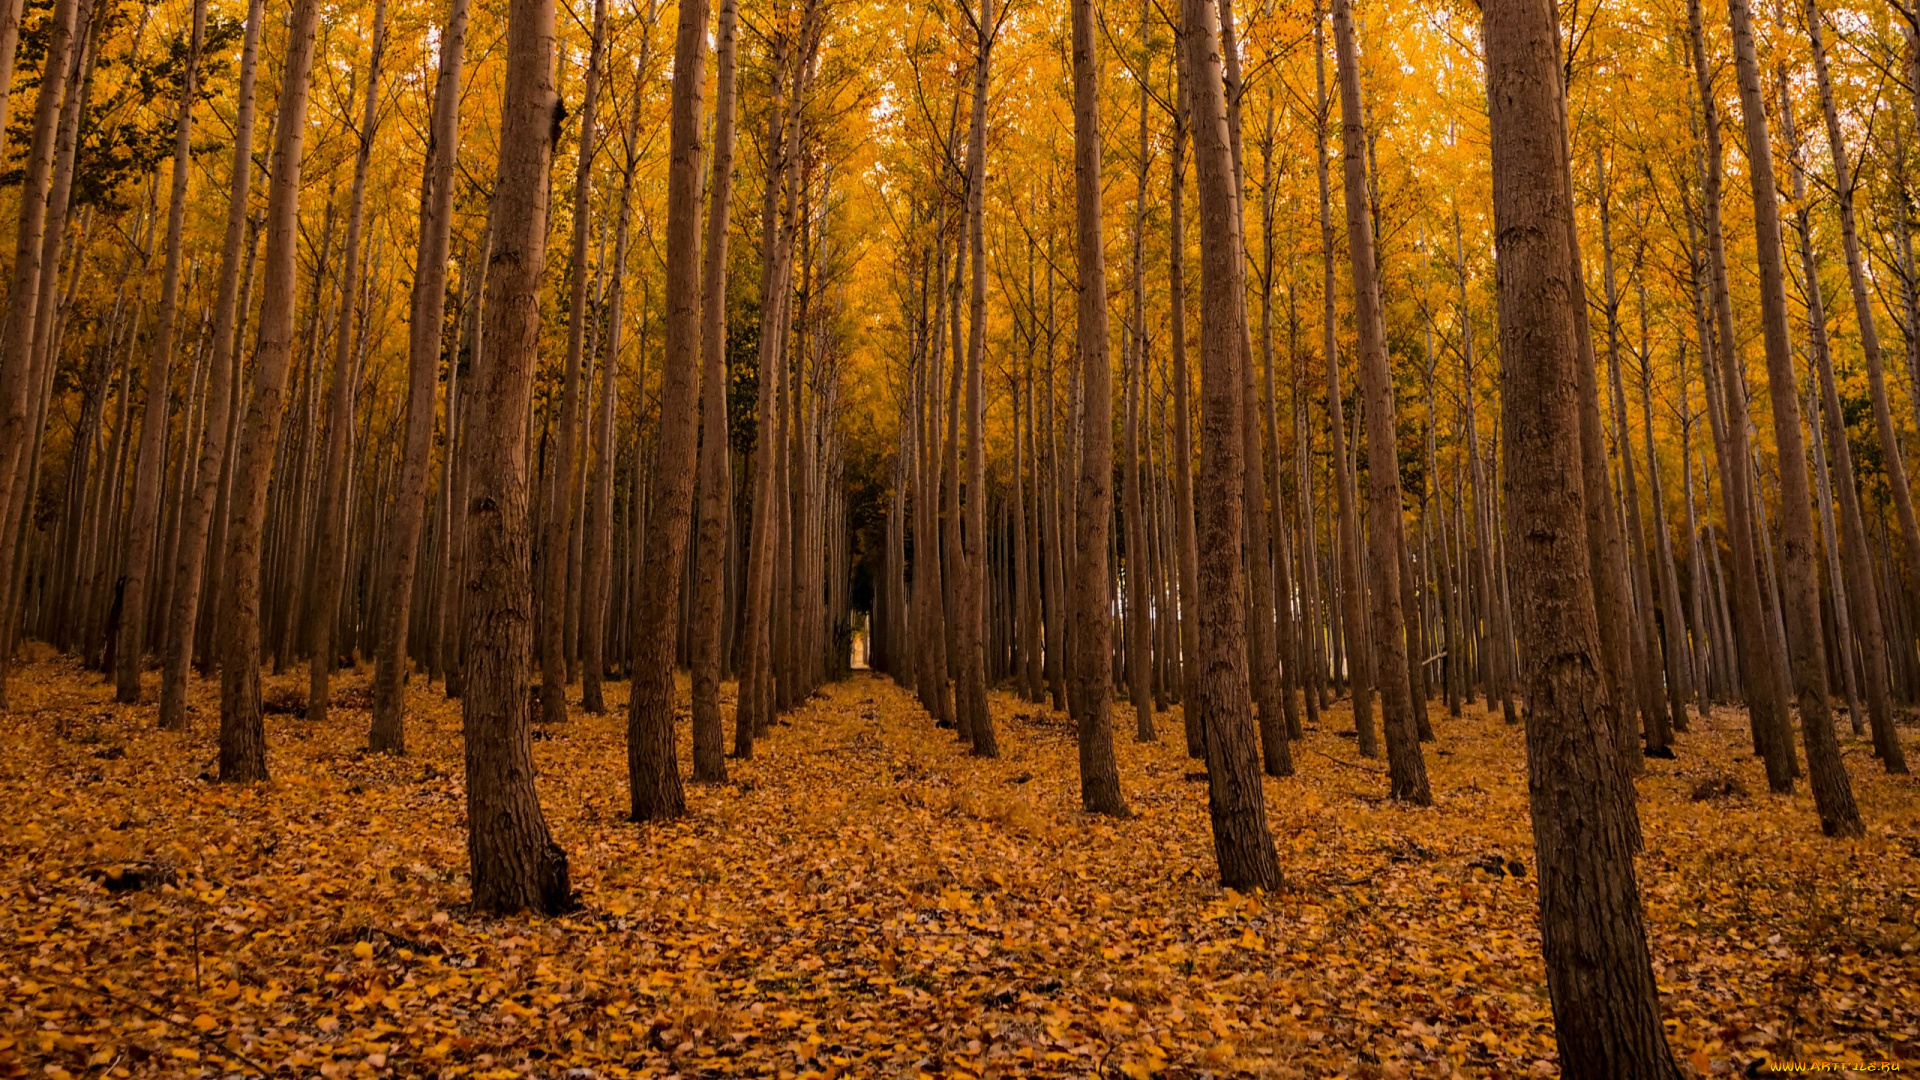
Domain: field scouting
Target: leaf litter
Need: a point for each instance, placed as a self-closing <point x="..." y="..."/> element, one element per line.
<point x="863" y="898"/>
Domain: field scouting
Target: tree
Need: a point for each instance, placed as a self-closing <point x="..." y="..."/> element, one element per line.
<point x="1800" y="601"/>
<point x="978" y="724"/>
<point x="330" y="565"/>
<point x="1236" y="802"/>
<point x="243" y="735"/>
<point x="1771" y="729"/>
<point x="1406" y="765"/>
<point x="153" y="423"/>
<point x="514" y="860"/>
<point x="17" y="325"/>
<point x="1353" y="596"/>
<point x="425" y="327"/>
<point x="195" y="527"/>
<point x="1599" y="975"/>
<point x="1092" y="632"/>
<point x="557" y="534"/>
<point x="709" y="762"/>
<point x="653" y="769"/>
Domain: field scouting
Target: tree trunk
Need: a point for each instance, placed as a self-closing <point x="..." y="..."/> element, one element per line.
<point x="1184" y="538"/>
<point x="1858" y="561"/>
<point x="653" y="769"/>
<point x="557" y="530"/>
<point x="9" y="53"/>
<point x="597" y="560"/>
<point x="1680" y="650"/>
<point x="1236" y="802"/>
<point x="330" y="563"/>
<point x="243" y="743"/>
<point x="1406" y="765"/>
<point x="1599" y="973"/>
<point x="1800" y="604"/>
<point x="755" y="708"/>
<point x="1654" y="702"/>
<point x="1771" y="727"/>
<point x="426" y="326"/>
<point x="153" y="425"/>
<point x="1138" y="648"/>
<point x="973" y="674"/>
<point x="1093" y="696"/>
<point x="709" y="740"/>
<point x="1727" y="392"/>
<point x="514" y="860"/>
<point x="17" y="325"/>
<point x="1352" y="593"/>
<point x="1284" y="646"/>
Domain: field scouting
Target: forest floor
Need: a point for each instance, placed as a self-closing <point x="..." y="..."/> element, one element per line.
<point x="864" y="899"/>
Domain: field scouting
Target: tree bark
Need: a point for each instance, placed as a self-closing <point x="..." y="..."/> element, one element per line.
<point x="1092" y="644"/>
<point x="18" y="324"/>
<point x="1352" y="593"/>
<point x="1864" y="604"/>
<point x="243" y="743"/>
<point x="330" y="561"/>
<point x="709" y="740"/>
<point x="1406" y="764"/>
<point x="1182" y="467"/>
<point x="1599" y="973"/>
<point x="1654" y="700"/>
<point x="1800" y="603"/>
<point x="973" y="670"/>
<point x="557" y="529"/>
<point x="1771" y="727"/>
<point x="1236" y="801"/>
<point x="1137" y="645"/>
<point x="597" y="562"/>
<point x="426" y="327"/>
<point x="653" y="769"/>
<point x="145" y="521"/>
<point x="515" y="862"/>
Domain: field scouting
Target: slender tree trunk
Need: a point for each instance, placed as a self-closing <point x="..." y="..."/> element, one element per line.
<point x="653" y="769"/>
<point x="1654" y="701"/>
<point x="330" y="563"/>
<point x="426" y="326"/>
<point x="1184" y="536"/>
<point x="1406" y="765"/>
<point x="17" y="325"/>
<point x="1093" y="699"/>
<point x="1864" y="605"/>
<point x="243" y="749"/>
<point x="153" y="425"/>
<point x="514" y="859"/>
<point x="755" y="708"/>
<point x="1287" y="672"/>
<point x="1827" y="775"/>
<point x="709" y="740"/>
<point x="1771" y="727"/>
<point x="1138" y="677"/>
<point x="597" y="560"/>
<point x="1599" y="974"/>
<point x="978" y="726"/>
<point x="1236" y="803"/>
<point x="191" y="557"/>
<point x="9" y="53"/>
<point x="557" y="530"/>
<point x="1352" y="593"/>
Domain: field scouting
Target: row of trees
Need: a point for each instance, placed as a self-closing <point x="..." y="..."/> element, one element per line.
<point x="671" y="445"/>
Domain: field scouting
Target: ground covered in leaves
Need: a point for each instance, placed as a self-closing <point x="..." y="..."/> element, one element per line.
<point x="864" y="899"/>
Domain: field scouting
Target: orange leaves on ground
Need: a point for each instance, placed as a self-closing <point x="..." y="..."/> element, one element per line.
<point x="864" y="899"/>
